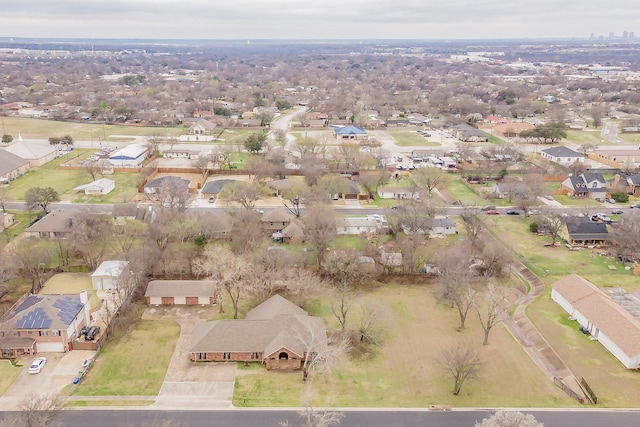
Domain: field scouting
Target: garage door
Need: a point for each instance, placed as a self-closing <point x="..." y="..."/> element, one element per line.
<point x="50" y="347"/>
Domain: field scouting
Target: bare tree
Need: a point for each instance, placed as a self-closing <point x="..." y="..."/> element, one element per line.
<point x="460" y="362"/>
<point x="428" y="178"/>
<point x="40" y="197"/>
<point x="473" y="224"/>
<point x="491" y="308"/>
<point x="173" y="194"/>
<point x="509" y="419"/>
<point x="244" y="193"/>
<point x="551" y="223"/>
<point x="4" y="192"/>
<point x="322" y="353"/>
<point x="312" y="417"/>
<point x="345" y="271"/>
<point x="91" y="237"/>
<point x="247" y="231"/>
<point x="39" y="411"/>
<point x="7" y="271"/>
<point x="626" y="236"/>
<point x="33" y="259"/>
<point x="232" y="273"/>
<point x="320" y="228"/>
<point x="455" y="281"/>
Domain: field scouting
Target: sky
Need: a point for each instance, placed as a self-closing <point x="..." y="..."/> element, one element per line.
<point x="318" y="19"/>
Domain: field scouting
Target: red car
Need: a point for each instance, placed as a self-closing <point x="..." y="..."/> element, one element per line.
<point x="493" y="212"/>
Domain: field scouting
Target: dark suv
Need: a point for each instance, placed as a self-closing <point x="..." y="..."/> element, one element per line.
<point x="92" y="332"/>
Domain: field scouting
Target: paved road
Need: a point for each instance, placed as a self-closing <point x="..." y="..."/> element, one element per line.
<point x="610" y="133"/>
<point x="353" y="418"/>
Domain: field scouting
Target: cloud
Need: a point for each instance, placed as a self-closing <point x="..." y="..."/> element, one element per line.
<point x="322" y="19"/>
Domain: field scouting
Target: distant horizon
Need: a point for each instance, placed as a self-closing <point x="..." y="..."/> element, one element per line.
<point x="326" y="20"/>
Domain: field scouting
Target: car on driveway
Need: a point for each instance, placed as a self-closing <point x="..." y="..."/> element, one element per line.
<point x="513" y="213"/>
<point x="92" y="333"/>
<point x="37" y="365"/>
<point x="493" y="212"/>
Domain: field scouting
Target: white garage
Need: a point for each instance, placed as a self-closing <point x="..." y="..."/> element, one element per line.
<point x="49" y="347"/>
<point x="180" y="292"/>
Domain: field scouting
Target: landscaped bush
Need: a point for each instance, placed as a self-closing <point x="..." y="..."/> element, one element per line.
<point x="620" y="197"/>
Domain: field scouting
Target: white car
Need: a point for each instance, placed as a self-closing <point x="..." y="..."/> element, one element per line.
<point x="37" y="365"/>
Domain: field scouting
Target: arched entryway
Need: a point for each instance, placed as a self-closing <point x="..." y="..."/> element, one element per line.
<point x="283" y="355"/>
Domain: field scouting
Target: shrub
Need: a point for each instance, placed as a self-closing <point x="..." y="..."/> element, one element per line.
<point x="620" y="197"/>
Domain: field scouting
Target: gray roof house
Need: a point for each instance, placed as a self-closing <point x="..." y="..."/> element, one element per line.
<point x="583" y="231"/>
<point x="562" y="155"/>
<point x="12" y="166"/>
<point x="277" y="333"/>
<point x="468" y="133"/>
<point x="56" y="224"/>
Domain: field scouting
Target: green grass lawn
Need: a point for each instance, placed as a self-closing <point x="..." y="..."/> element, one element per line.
<point x="585" y="137"/>
<point x="72" y="283"/>
<point x="8" y="374"/>
<point x="630" y="137"/>
<point x="575" y="201"/>
<point x="133" y="363"/>
<point x="64" y="181"/>
<point x="411" y="139"/>
<point x="460" y="191"/>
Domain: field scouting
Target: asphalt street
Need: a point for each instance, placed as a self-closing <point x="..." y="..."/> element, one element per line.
<point x="353" y="418"/>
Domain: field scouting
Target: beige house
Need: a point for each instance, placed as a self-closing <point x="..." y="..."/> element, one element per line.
<point x="37" y="153"/>
<point x="7" y="220"/>
<point x="181" y="292"/>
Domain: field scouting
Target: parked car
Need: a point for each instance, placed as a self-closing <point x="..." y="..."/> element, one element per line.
<point x="533" y="212"/>
<point x="513" y="213"/>
<point x="488" y="208"/>
<point x="84" y="330"/>
<point x="617" y="212"/>
<point x="92" y="333"/>
<point x="212" y="199"/>
<point x="493" y="212"/>
<point x="37" y="365"/>
<point x="635" y="205"/>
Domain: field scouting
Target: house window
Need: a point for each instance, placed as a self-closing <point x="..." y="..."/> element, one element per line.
<point x="255" y="356"/>
<point x="42" y="333"/>
<point x="202" y="356"/>
<point x="55" y="333"/>
<point x="594" y="185"/>
<point x="226" y="356"/>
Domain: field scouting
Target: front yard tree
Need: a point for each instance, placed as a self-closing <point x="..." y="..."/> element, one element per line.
<point x="551" y="223"/>
<point x="491" y="308"/>
<point x="345" y="272"/>
<point x="473" y="224"/>
<point x="454" y="281"/>
<point x="460" y="362"/>
<point x="38" y="411"/>
<point x="40" y="197"/>
<point x="6" y="138"/>
<point x="428" y="178"/>
<point x="91" y="237"/>
<point x="255" y="142"/>
<point x="244" y="193"/>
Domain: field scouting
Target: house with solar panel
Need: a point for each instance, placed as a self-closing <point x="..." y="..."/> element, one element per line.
<point x="44" y="323"/>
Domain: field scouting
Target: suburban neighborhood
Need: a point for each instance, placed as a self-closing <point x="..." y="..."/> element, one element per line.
<point x="383" y="239"/>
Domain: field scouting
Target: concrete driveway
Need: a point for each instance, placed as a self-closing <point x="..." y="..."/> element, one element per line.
<point x="59" y="372"/>
<point x="189" y="385"/>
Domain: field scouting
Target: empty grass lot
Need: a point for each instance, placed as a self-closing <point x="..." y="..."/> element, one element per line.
<point x="406" y="372"/>
<point x="586" y="137"/>
<point x="460" y="191"/>
<point x="44" y="129"/>
<point x="133" y="363"/>
<point x="411" y="139"/>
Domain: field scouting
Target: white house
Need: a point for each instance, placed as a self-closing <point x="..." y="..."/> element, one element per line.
<point x="608" y="322"/>
<point x="130" y="156"/>
<point x="391" y="192"/>
<point x="106" y="276"/>
<point x="356" y="225"/>
<point x="442" y="225"/>
<point x="99" y="187"/>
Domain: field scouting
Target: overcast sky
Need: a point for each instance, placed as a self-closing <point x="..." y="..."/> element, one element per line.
<point x="317" y="19"/>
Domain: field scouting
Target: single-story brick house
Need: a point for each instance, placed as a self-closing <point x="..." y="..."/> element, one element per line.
<point x="181" y="292"/>
<point x="277" y="333"/>
<point x="608" y="322"/>
<point x="44" y="323"/>
<point x="563" y="155"/>
<point x="356" y="225"/>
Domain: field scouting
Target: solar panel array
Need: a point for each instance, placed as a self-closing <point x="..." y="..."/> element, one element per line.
<point x="69" y="308"/>
<point x="35" y="319"/>
<point x="28" y="302"/>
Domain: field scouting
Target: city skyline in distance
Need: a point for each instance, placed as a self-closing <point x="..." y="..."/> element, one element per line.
<point x="326" y="20"/>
